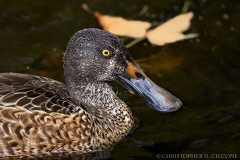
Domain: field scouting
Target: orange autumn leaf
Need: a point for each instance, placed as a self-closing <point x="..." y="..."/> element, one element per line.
<point x="168" y="32"/>
<point x="123" y="27"/>
<point x="171" y="31"/>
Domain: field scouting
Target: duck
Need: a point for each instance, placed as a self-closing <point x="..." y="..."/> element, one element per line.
<point x="39" y="115"/>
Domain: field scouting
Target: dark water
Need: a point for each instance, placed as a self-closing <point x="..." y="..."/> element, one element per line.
<point x="204" y="72"/>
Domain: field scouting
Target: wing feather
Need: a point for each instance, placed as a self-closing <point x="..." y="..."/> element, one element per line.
<point x="36" y="93"/>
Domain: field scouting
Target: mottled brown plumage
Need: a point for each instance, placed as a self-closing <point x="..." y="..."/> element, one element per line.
<point x="39" y="115"/>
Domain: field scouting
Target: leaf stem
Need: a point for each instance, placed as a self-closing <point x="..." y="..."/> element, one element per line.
<point x="134" y="42"/>
<point x="87" y="9"/>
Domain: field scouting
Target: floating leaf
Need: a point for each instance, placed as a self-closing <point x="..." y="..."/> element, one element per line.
<point x="123" y="27"/>
<point x="171" y="31"/>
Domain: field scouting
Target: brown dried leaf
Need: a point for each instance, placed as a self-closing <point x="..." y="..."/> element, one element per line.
<point x="171" y="31"/>
<point x="123" y="27"/>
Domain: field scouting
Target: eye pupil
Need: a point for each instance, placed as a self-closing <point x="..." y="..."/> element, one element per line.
<point x="106" y="52"/>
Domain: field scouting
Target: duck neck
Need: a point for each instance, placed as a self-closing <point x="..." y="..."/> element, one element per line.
<point x="110" y="112"/>
<point x="99" y="98"/>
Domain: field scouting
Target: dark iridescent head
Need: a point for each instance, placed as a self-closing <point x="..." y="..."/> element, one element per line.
<point x="94" y="55"/>
<point x="97" y="55"/>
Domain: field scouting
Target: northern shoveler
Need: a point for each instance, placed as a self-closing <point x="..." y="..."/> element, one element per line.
<point x="40" y="115"/>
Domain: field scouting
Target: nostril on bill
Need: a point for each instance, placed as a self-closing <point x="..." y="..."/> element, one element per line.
<point x="139" y="75"/>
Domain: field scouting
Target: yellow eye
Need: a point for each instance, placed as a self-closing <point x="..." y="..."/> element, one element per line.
<point x="106" y="53"/>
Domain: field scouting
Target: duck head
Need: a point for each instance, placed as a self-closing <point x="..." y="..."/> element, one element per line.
<point x="97" y="56"/>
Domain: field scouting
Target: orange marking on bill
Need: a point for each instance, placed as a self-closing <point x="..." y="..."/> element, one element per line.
<point x="131" y="70"/>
